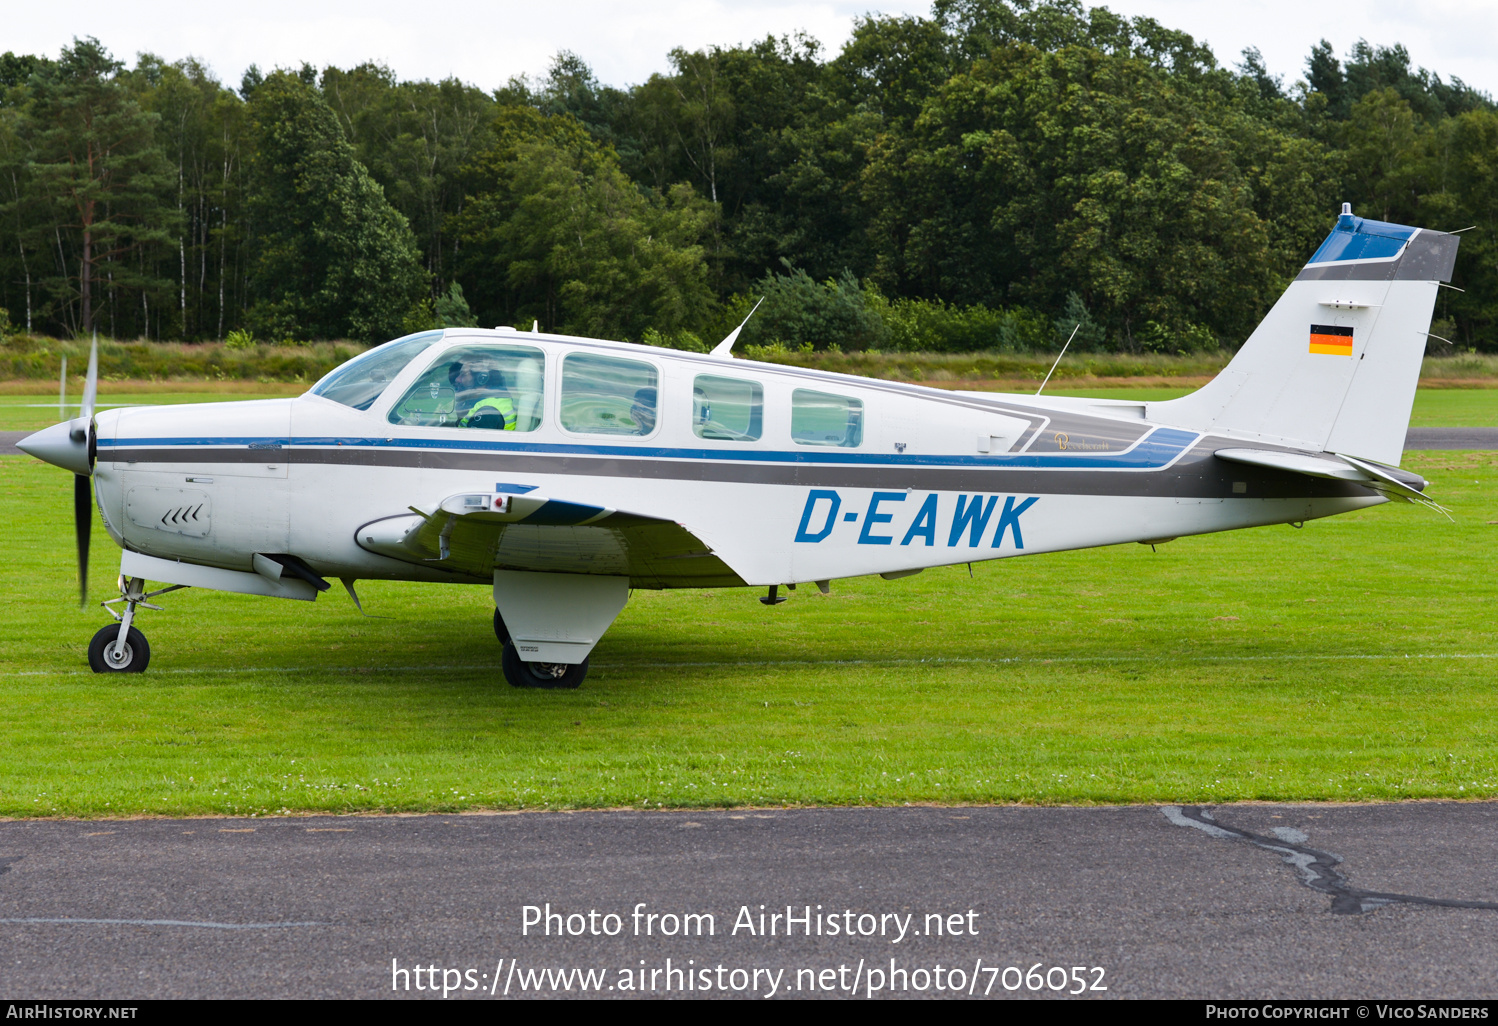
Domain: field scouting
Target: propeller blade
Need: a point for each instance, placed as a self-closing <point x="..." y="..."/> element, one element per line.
<point x="81" y="428"/>
<point x="91" y="382"/>
<point x="83" y="525"/>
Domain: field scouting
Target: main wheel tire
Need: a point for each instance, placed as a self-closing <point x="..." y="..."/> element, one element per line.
<point x="134" y="659"/>
<point x="500" y="630"/>
<point x="522" y="674"/>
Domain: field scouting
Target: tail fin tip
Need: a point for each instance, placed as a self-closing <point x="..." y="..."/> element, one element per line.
<point x="1334" y="364"/>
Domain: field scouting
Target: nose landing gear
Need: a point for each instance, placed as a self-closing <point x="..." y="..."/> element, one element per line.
<point x="108" y="654"/>
<point x="124" y="649"/>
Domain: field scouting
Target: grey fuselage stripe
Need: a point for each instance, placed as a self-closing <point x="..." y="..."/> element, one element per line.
<point x="1196" y="475"/>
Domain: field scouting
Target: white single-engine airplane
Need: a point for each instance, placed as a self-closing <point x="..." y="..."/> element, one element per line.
<point x="566" y="471"/>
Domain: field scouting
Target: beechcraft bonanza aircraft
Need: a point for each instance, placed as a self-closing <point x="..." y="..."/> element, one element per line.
<point x="566" y="471"/>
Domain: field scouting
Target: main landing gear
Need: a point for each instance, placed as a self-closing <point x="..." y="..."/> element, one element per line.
<point x="522" y="674"/>
<point x="123" y="648"/>
<point x="549" y="623"/>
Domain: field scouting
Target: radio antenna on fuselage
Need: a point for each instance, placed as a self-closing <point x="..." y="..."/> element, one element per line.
<point x="1059" y="356"/>
<point x="722" y="348"/>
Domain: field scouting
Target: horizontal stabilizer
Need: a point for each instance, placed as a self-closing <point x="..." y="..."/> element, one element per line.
<point x="1295" y="463"/>
<point x="1386" y="482"/>
<point x="1391" y="483"/>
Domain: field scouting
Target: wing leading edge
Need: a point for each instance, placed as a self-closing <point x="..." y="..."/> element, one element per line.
<point x="474" y="534"/>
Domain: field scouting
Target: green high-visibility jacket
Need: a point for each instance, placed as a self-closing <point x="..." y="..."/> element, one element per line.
<point x="503" y="406"/>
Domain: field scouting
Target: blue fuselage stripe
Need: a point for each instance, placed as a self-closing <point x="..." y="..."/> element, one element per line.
<point x="1156" y="450"/>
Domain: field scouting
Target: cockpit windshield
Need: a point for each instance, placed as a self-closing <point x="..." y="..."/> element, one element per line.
<point x="359" y="382"/>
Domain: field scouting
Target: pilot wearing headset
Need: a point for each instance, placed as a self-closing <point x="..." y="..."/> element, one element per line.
<point x="478" y="386"/>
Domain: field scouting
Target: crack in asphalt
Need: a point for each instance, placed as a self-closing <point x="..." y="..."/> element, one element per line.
<point x="6" y="860"/>
<point x="1316" y="869"/>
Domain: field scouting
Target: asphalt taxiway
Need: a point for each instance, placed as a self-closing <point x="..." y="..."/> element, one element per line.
<point x="1483" y="439"/>
<point x="1249" y="901"/>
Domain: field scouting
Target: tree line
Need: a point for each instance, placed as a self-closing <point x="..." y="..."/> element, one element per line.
<point x="992" y="177"/>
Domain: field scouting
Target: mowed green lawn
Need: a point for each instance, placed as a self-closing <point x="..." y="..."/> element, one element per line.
<point x="1355" y="659"/>
<point x="30" y="412"/>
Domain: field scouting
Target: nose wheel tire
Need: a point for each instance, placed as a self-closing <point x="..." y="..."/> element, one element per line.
<point x="132" y="658"/>
<point x="500" y="630"/>
<point x="522" y="674"/>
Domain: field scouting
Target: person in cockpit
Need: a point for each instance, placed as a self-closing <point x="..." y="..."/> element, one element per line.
<point x="642" y="411"/>
<point x="481" y="399"/>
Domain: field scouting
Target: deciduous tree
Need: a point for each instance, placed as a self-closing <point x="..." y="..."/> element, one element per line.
<point x="555" y="231"/>
<point x="332" y="257"/>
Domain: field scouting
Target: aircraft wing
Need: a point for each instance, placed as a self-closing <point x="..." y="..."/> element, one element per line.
<point x="474" y="534"/>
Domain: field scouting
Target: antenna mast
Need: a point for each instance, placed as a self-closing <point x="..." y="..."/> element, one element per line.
<point x="1059" y="356"/>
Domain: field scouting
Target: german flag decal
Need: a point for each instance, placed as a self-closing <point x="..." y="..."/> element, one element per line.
<point x="1331" y="340"/>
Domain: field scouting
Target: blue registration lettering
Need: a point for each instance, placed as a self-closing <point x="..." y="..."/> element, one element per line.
<point x="816" y="496"/>
<point x="873" y="516"/>
<point x="974" y="514"/>
<point x="1009" y="518"/>
<point x="925" y="523"/>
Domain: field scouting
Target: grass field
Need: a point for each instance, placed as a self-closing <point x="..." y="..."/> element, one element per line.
<point x="29" y="412"/>
<point x="1455" y="407"/>
<point x="1352" y="660"/>
<point x="1434" y="407"/>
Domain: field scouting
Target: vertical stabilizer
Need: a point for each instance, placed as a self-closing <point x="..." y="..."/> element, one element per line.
<point x="1335" y="363"/>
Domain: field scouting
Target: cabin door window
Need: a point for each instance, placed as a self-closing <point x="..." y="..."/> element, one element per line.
<point x="604" y="395"/>
<point x="820" y="418"/>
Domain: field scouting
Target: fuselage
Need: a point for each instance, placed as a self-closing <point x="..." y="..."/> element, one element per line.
<point x="784" y="474"/>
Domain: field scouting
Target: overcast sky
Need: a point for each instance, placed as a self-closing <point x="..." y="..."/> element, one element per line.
<point x="485" y="43"/>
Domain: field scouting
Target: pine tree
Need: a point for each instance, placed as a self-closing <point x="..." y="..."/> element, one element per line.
<point x="105" y="182"/>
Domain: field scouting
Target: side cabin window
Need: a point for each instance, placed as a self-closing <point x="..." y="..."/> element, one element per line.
<point x="359" y="382"/>
<point x="490" y="387"/>
<point x="820" y="418"/>
<point x="606" y="395"/>
<point x="727" y="409"/>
